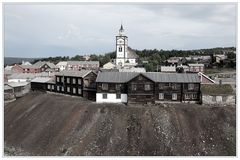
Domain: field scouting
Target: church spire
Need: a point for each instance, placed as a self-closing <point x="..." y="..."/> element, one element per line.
<point x="121" y="30"/>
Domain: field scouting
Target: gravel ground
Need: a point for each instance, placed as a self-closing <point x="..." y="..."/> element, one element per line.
<point x="47" y="124"/>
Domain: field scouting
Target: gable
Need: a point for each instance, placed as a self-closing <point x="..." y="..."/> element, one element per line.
<point x="140" y="79"/>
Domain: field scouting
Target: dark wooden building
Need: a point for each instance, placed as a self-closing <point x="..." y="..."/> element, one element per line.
<point x="149" y="87"/>
<point x="78" y="83"/>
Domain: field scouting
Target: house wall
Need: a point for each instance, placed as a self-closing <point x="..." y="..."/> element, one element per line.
<point x="168" y="89"/>
<point x="38" y="86"/>
<point x="140" y="95"/>
<point x="66" y="85"/>
<point x="17" y="68"/>
<point x="111" y="98"/>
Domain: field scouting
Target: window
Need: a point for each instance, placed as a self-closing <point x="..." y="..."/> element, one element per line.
<point x="190" y="86"/>
<point x="49" y="86"/>
<point x="194" y="96"/>
<point x="62" y="88"/>
<point x="118" y="96"/>
<point x="174" y="86"/>
<point x="140" y="78"/>
<point x="57" y="79"/>
<point x="68" y="89"/>
<point x="134" y="87"/>
<point x="58" y="88"/>
<point x="147" y="87"/>
<point x="104" y="86"/>
<point x="120" y="49"/>
<point x="52" y="86"/>
<point x="79" y="91"/>
<point x="161" y="95"/>
<point x="68" y="80"/>
<point x="118" y="87"/>
<point x="187" y="96"/>
<point x="174" y="96"/>
<point x="74" y="90"/>
<point x="160" y="86"/>
<point x="104" y="96"/>
<point x="74" y="80"/>
<point x="62" y="79"/>
<point x="168" y="84"/>
<point x="79" y="81"/>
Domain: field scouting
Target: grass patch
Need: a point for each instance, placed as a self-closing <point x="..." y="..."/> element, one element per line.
<point x="218" y="70"/>
<point x="216" y="89"/>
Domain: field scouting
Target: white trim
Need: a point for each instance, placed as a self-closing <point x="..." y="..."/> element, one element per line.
<point x="201" y="74"/>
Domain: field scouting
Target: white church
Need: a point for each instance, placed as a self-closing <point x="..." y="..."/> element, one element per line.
<point x="125" y="56"/>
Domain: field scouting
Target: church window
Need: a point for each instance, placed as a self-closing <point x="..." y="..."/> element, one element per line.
<point x="120" y="49"/>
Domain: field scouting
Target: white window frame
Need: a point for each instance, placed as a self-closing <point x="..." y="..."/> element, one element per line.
<point x="62" y="88"/>
<point x="79" y="81"/>
<point x="49" y="86"/>
<point x="58" y="79"/>
<point x="194" y="96"/>
<point x="146" y="87"/>
<point x="68" y="80"/>
<point x="106" y="86"/>
<point x="174" y="96"/>
<point x="187" y="96"/>
<point x="74" y="90"/>
<point x="74" y="80"/>
<point x="79" y="89"/>
<point x="52" y="86"/>
<point x="133" y="88"/>
<point x="58" y="88"/>
<point x="68" y="89"/>
<point x="118" y="87"/>
<point x="190" y="86"/>
<point x="161" y="96"/>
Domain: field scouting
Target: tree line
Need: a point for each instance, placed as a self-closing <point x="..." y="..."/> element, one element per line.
<point x="154" y="57"/>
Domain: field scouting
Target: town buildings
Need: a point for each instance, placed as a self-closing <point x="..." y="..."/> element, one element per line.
<point x="79" y="65"/>
<point x="196" y="67"/>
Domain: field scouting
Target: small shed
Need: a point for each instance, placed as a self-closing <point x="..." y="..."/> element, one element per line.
<point x="40" y="83"/>
<point x="8" y="92"/>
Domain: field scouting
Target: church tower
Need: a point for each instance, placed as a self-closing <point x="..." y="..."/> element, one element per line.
<point x="121" y="47"/>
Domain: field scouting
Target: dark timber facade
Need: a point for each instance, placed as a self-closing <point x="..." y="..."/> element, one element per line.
<point x="77" y="83"/>
<point x="150" y="87"/>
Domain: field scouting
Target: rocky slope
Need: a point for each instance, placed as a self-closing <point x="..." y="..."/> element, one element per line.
<point x="47" y="124"/>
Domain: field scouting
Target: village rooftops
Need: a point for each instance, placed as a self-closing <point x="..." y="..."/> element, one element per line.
<point x="82" y="62"/>
<point x="17" y="84"/>
<point x="196" y="65"/>
<point x="41" y="79"/>
<point x="71" y="73"/>
<point x="39" y="64"/>
<point x="123" y="77"/>
<point x="62" y="63"/>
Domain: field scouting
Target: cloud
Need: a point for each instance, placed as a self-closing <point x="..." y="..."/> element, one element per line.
<point x="30" y="30"/>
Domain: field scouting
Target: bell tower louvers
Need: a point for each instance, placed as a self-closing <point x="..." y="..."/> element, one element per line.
<point x="121" y="47"/>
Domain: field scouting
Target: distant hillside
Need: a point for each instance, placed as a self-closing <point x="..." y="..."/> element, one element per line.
<point x="13" y="60"/>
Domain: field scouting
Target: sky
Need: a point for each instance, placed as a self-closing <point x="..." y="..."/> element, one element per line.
<point x="45" y="30"/>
